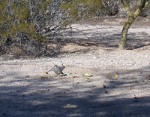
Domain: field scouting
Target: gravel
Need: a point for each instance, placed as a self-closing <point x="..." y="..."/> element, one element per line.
<point x="119" y="86"/>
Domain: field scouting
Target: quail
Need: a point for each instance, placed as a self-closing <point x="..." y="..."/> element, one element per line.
<point x="58" y="69"/>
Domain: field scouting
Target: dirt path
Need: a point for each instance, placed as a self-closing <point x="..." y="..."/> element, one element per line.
<point x="119" y="86"/>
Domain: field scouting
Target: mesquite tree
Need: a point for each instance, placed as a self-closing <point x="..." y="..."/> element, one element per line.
<point x="87" y="8"/>
<point x="132" y="15"/>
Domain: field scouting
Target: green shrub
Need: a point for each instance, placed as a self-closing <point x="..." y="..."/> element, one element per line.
<point x="15" y="17"/>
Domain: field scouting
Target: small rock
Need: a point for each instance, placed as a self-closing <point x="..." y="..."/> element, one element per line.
<point x="70" y="106"/>
<point x="104" y="86"/>
<point x="136" y="99"/>
<point x="106" y="92"/>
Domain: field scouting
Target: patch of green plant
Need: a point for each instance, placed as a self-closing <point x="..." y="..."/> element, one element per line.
<point x="15" y="20"/>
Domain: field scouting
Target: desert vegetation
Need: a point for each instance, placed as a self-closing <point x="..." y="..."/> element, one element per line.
<point x="64" y="58"/>
<point x="29" y="26"/>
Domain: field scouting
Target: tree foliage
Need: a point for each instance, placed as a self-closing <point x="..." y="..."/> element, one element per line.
<point x="37" y="18"/>
<point x="16" y="17"/>
<point x="133" y="8"/>
<point x="21" y="25"/>
<point x="80" y="9"/>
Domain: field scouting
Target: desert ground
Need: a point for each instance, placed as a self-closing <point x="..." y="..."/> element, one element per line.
<point x="99" y="81"/>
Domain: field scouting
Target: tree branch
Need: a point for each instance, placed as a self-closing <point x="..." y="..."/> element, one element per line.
<point x="141" y="5"/>
<point x="126" y="5"/>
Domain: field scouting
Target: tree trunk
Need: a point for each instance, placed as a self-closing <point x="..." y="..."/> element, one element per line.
<point x="125" y="31"/>
<point x="131" y="18"/>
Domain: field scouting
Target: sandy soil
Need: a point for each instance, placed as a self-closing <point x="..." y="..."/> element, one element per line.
<point x="119" y="85"/>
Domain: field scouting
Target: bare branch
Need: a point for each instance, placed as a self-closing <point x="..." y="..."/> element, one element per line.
<point x="126" y="5"/>
<point x="141" y="5"/>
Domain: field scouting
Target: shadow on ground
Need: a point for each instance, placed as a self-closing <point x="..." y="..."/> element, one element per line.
<point x="52" y="98"/>
<point x="106" y="38"/>
<point x="88" y="36"/>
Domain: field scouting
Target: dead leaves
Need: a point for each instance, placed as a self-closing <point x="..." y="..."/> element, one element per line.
<point x="87" y="75"/>
<point x="116" y="75"/>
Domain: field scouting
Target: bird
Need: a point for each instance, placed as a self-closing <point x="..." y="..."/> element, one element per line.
<point x="58" y="69"/>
